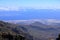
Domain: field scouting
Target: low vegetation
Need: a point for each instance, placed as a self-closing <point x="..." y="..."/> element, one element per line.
<point x="9" y="31"/>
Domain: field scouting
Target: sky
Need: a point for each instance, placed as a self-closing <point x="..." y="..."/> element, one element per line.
<point x="13" y="9"/>
<point x="36" y="4"/>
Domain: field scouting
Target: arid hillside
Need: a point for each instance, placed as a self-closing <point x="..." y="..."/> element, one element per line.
<point x="9" y="31"/>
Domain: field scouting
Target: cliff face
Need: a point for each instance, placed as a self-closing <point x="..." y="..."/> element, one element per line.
<point x="9" y="31"/>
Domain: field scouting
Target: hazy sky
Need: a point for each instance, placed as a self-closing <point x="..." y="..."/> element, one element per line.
<point x="31" y="14"/>
<point x="39" y="4"/>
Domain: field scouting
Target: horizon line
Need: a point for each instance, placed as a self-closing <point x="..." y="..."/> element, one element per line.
<point x="19" y="8"/>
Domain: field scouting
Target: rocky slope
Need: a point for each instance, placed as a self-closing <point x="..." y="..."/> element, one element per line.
<point x="10" y="31"/>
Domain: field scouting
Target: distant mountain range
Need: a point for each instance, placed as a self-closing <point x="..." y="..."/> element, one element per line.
<point x="37" y="29"/>
<point x="44" y="21"/>
<point x="40" y="29"/>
